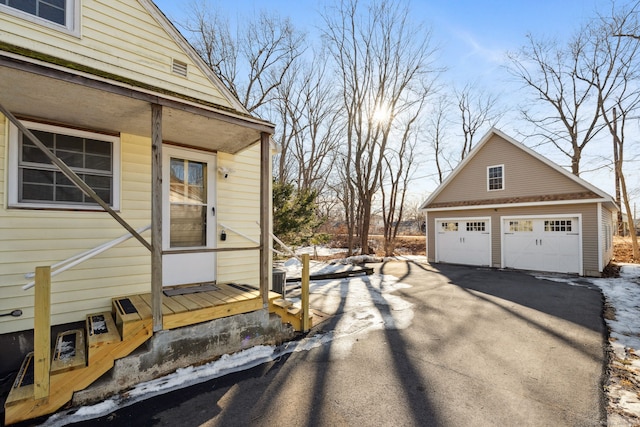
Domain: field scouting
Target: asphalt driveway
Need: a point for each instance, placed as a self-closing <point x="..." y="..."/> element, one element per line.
<point x="504" y="347"/>
<point x="483" y="348"/>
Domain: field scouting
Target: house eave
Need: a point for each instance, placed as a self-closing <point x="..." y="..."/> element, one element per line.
<point x="34" y="88"/>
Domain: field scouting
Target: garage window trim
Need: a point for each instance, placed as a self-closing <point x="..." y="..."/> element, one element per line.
<point x="449" y="226"/>
<point x="495" y="178"/>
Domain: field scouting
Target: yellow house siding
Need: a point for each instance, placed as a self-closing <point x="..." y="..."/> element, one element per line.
<point x="31" y="238"/>
<point x="587" y="211"/>
<point x="121" y="38"/>
<point x="524" y="176"/>
<point x="239" y="208"/>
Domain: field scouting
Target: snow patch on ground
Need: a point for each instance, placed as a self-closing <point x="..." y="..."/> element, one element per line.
<point x="360" y="304"/>
<point x="622" y="295"/>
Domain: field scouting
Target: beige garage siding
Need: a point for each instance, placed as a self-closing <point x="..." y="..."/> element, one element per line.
<point x="517" y="163"/>
<point x="588" y="212"/>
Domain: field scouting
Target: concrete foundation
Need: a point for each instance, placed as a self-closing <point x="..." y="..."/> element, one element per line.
<point x="169" y="350"/>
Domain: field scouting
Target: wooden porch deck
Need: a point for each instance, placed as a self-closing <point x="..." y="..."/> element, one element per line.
<point x="190" y="308"/>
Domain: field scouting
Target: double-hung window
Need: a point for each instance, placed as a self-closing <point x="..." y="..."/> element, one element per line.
<point x="59" y="14"/>
<point x="495" y="177"/>
<point x="36" y="182"/>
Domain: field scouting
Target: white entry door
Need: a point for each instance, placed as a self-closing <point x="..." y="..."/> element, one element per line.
<point x="544" y="244"/>
<point x="188" y="216"/>
<point x="463" y="241"/>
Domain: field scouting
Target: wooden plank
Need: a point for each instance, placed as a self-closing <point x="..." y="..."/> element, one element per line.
<point x="156" y="216"/>
<point x="189" y="304"/>
<point x="42" y="333"/>
<point x="198" y="299"/>
<point x="212" y="297"/>
<point x="173" y="305"/>
<point x="147" y="299"/>
<point x="141" y="305"/>
<point x="238" y="293"/>
<point x="215" y="312"/>
<point x="230" y="294"/>
<point x="305" y="293"/>
<point x="73" y="360"/>
<point x="66" y="383"/>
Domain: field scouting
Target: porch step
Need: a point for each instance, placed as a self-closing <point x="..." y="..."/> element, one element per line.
<point x="288" y="313"/>
<point x="22" y="388"/>
<point x="128" y="319"/>
<point x="101" y="330"/>
<point x="69" y="351"/>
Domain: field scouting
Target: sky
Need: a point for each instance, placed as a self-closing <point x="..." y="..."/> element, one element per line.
<point x="473" y="38"/>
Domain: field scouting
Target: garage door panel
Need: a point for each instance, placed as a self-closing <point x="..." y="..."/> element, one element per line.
<point x="463" y="242"/>
<point x="544" y="244"/>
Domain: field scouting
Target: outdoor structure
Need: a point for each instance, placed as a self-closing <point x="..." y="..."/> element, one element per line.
<point x="128" y="174"/>
<point x="506" y="206"/>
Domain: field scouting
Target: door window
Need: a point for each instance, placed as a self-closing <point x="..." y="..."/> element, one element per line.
<point x="188" y="203"/>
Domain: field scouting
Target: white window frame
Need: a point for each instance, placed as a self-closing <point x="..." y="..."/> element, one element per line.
<point x="72" y="18"/>
<point x="14" y="156"/>
<point x="489" y="179"/>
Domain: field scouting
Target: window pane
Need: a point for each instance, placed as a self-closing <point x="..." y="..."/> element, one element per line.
<point x="33" y="154"/>
<point x="187" y="226"/>
<point x="69" y="143"/>
<point x="100" y="163"/>
<point x="52" y="13"/>
<point x="35" y="176"/>
<point x="29" y="6"/>
<point x="98" y="147"/>
<point x="69" y="194"/>
<point x="45" y="137"/>
<point x="41" y="181"/>
<point x="37" y="192"/>
<point x="73" y="160"/>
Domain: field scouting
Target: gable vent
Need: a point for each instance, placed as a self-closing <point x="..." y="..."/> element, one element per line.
<point x="179" y="68"/>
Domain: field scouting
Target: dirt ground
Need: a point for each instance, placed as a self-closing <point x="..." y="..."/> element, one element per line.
<point x="622" y="251"/>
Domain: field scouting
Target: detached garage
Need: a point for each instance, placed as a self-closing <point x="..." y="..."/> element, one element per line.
<point x="506" y="206"/>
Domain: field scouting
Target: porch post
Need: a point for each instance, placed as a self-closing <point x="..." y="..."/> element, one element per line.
<point x="265" y="218"/>
<point x="156" y="216"/>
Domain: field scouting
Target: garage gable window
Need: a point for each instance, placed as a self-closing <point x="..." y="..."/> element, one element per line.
<point x="37" y="183"/>
<point x="495" y="178"/>
<point x="558" y="225"/>
<point x="449" y="226"/>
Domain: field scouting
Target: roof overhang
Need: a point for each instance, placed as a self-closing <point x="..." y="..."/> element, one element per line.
<point x="52" y="93"/>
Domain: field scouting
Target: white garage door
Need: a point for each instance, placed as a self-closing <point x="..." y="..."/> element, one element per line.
<point x="544" y="244"/>
<point x="463" y="241"/>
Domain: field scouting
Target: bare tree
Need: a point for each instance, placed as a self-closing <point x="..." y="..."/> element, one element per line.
<point x="616" y="69"/>
<point x="252" y="62"/>
<point x="383" y="63"/>
<point x="437" y="135"/>
<point x="477" y="109"/>
<point x="567" y="115"/>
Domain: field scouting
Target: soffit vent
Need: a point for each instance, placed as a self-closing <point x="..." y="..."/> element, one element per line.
<point x="179" y="68"/>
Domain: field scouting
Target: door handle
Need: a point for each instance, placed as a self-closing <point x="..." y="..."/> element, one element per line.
<point x="213" y="211"/>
